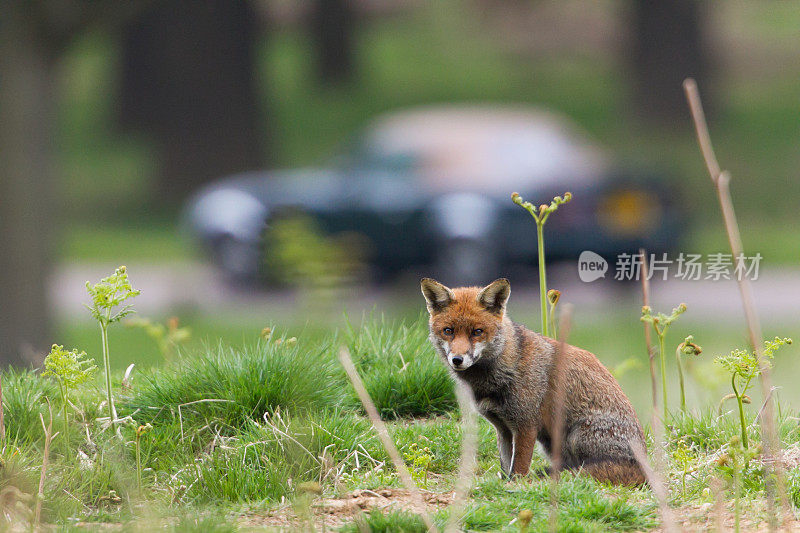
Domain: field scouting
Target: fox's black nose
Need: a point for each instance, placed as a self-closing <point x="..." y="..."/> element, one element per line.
<point x="457" y="360"/>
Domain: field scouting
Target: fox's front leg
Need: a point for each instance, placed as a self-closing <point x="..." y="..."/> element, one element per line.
<point x="524" y="443"/>
<point x="505" y="444"/>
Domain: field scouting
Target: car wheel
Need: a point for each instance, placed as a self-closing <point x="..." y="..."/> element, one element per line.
<point x="238" y="259"/>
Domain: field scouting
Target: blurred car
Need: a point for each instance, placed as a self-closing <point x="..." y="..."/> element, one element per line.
<point x="431" y="187"/>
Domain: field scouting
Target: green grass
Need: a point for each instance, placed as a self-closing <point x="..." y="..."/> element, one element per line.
<point x="233" y="385"/>
<point x="288" y="417"/>
<point x="24" y="397"/>
<point x="391" y="522"/>
<point x="584" y="506"/>
<point x="402" y="375"/>
<point x="424" y="387"/>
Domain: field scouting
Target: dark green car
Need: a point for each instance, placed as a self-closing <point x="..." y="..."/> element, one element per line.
<point x="430" y="188"/>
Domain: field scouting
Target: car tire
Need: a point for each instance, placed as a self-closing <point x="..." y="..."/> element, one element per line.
<point x="238" y="260"/>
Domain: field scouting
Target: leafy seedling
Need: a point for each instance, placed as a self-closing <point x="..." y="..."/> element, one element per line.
<point x="108" y="295"/>
<point x="140" y="430"/>
<point x="419" y="459"/>
<point x="540" y="216"/>
<point x="553" y="296"/>
<point x="70" y="368"/>
<point x="686" y="348"/>
<point x="661" y="323"/>
<point x="734" y="463"/>
<point x="744" y="366"/>
<point x="683" y="454"/>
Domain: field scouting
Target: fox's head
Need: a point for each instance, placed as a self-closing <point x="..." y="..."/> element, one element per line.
<point x="465" y="321"/>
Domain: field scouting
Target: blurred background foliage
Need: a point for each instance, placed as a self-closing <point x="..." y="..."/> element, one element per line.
<point x="122" y="161"/>
<point x="569" y="56"/>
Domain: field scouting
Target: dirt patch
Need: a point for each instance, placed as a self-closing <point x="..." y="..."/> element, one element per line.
<point x="334" y="512"/>
<point x="706" y="517"/>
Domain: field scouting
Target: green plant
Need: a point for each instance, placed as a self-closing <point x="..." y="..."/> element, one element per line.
<point x="302" y="255"/>
<point x="70" y="368"/>
<point x="661" y="323"/>
<point x="733" y="463"/>
<point x="744" y="366"/>
<point x="167" y="337"/>
<point x="684" y="456"/>
<point x="140" y="430"/>
<point x="107" y="297"/>
<point x="553" y="296"/>
<point x="419" y="459"/>
<point x="540" y="215"/>
<point x="687" y="347"/>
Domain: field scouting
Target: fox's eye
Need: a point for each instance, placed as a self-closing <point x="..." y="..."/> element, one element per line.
<point x="447" y="331"/>
<point x="476" y="332"/>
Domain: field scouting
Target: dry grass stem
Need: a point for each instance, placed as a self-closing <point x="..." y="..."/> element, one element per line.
<point x="469" y="452"/>
<point x="648" y="340"/>
<point x="721" y="182"/>
<point x="2" y="415"/>
<point x="717" y="489"/>
<point x="558" y="413"/>
<point x="383" y="434"/>
<point x="657" y="485"/>
<point x="48" y="438"/>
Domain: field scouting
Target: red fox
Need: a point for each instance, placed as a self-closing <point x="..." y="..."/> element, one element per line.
<point x="509" y="370"/>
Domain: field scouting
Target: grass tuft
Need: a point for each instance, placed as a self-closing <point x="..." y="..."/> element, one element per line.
<point x="400" y="370"/>
<point x="391" y="522"/>
<point x="233" y="385"/>
<point x="24" y="398"/>
<point x="268" y="459"/>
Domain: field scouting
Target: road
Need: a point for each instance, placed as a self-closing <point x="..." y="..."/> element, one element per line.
<point x="168" y="288"/>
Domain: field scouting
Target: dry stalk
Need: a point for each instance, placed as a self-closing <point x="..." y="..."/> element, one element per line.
<point x="558" y="413"/>
<point x="647" y="338"/>
<point x="657" y="485"/>
<point x="383" y="434"/>
<point x="469" y="452"/>
<point x="721" y="180"/>
<point x="2" y="415"/>
<point x="716" y="487"/>
<point x="48" y="438"/>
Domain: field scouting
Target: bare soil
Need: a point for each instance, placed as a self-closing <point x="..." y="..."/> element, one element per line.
<point x="326" y="513"/>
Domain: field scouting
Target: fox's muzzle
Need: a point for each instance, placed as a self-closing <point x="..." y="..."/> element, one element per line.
<point x="462" y="361"/>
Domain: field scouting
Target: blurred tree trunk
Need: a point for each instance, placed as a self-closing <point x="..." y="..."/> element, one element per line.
<point x="26" y="187"/>
<point x="189" y="82"/>
<point x="668" y="46"/>
<point x="332" y="27"/>
<point x="33" y="36"/>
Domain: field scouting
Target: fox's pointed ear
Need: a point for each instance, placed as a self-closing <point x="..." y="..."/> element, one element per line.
<point x="495" y="295"/>
<point x="437" y="296"/>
